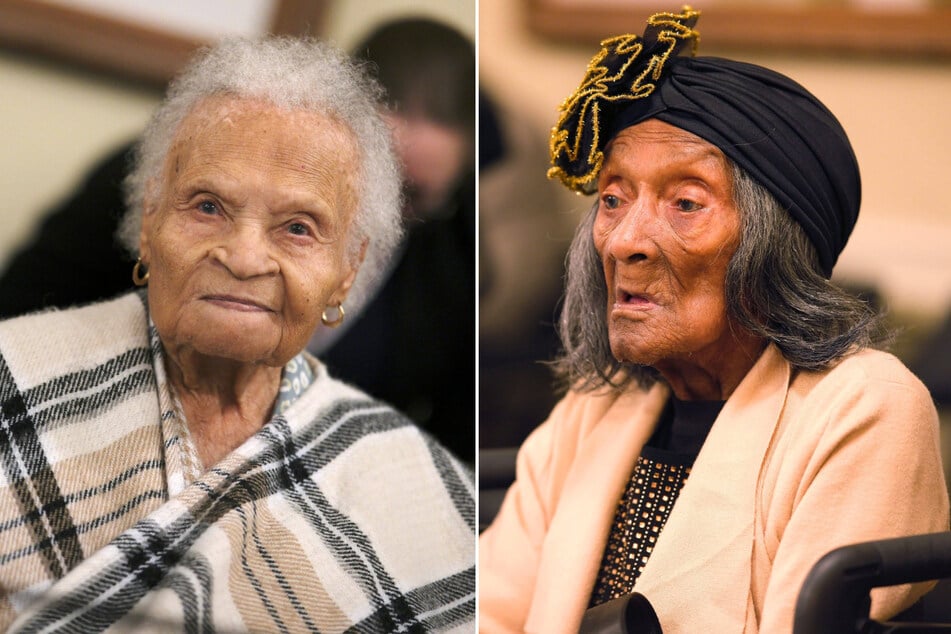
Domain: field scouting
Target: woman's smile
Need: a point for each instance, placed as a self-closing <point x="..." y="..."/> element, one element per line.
<point x="232" y="302"/>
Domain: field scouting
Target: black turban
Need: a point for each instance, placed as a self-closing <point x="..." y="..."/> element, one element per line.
<point x="769" y="125"/>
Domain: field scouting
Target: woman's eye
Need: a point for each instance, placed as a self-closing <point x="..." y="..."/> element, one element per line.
<point x="685" y="204"/>
<point x="610" y="201"/>
<point x="208" y="207"/>
<point x="298" y="229"/>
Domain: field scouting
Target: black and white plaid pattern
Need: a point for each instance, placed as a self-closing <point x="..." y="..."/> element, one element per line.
<point x="339" y="515"/>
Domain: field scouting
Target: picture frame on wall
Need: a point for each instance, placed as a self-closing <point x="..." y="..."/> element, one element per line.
<point x="901" y="28"/>
<point x="156" y="38"/>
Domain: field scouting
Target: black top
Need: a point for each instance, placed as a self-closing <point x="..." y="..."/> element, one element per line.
<point x="684" y="426"/>
<point x="659" y="474"/>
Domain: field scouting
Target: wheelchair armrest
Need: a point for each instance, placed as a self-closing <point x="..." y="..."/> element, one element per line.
<point x="630" y="614"/>
<point x="835" y="595"/>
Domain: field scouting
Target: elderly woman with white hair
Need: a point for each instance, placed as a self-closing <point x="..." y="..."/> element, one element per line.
<point x="173" y="458"/>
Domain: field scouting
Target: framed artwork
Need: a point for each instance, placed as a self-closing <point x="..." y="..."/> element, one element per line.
<point x="902" y="28"/>
<point x="89" y="32"/>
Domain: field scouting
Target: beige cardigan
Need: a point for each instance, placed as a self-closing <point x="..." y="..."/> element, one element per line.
<point x="796" y="464"/>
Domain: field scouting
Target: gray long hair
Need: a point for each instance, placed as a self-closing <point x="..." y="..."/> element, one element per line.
<point x="295" y="74"/>
<point x="774" y="289"/>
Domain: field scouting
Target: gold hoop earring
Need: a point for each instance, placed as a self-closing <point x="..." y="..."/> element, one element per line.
<point x="336" y="322"/>
<point x="137" y="277"/>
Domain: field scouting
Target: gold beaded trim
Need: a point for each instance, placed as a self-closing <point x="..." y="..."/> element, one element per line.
<point x="576" y="160"/>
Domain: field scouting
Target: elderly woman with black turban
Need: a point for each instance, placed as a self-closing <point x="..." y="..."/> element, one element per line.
<point x="727" y="422"/>
<point x="172" y="459"/>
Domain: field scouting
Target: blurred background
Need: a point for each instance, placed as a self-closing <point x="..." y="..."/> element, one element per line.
<point x="884" y="68"/>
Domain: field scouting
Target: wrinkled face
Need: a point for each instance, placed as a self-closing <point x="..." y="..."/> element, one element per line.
<point x="246" y="239"/>
<point x="666" y="228"/>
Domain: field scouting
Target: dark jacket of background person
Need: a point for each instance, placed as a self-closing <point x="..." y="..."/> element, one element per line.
<point x="73" y="257"/>
<point x="413" y="345"/>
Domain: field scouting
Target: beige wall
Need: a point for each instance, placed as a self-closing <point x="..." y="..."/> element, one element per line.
<point x="894" y="112"/>
<point x="349" y="20"/>
<point x="56" y="121"/>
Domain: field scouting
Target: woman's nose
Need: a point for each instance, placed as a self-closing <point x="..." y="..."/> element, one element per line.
<point x="246" y="251"/>
<point x="631" y="239"/>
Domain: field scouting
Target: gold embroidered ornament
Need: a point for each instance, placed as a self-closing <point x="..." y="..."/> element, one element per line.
<point x="625" y="69"/>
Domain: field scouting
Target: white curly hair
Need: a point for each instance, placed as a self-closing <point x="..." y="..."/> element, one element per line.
<point x="295" y="74"/>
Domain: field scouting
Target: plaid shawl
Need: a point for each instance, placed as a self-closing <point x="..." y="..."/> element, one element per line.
<point x="338" y="515"/>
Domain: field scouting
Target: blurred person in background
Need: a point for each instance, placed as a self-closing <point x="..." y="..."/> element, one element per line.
<point x="174" y="459"/>
<point x="728" y="420"/>
<point x="414" y="343"/>
<point x="525" y="227"/>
